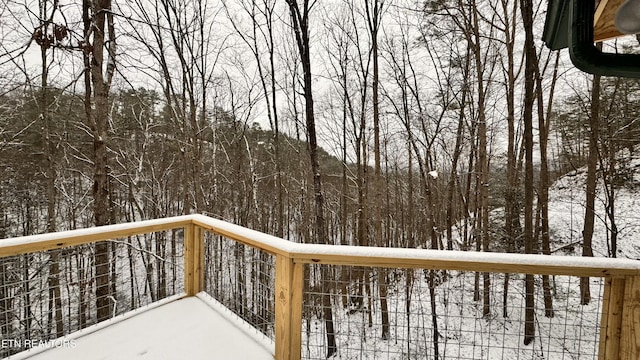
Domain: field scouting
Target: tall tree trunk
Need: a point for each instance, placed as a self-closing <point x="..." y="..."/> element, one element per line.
<point x="49" y="149"/>
<point x="543" y="186"/>
<point x="457" y="151"/>
<point x="482" y="186"/>
<point x="610" y="190"/>
<point x="363" y="192"/>
<point x="512" y="208"/>
<point x="608" y="161"/>
<point x="99" y="27"/>
<point x="526" y="7"/>
<point x="344" y="188"/>
<point x="55" y="314"/>
<point x="373" y="20"/>
<point x="300" y="20"/>
<point x="592" y="164"/>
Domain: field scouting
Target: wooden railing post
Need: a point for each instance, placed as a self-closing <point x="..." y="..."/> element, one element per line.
<point x="630" y="328"/>
<point x="193" y="259"/>
<point x="288" y="308"/>
<point x="620" y="327"/>
<point x="611" y="318"/>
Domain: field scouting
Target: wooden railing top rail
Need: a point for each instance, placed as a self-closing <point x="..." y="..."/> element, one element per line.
<point x="469" y="261"/>
<point x="423" y="258"/>
<point x="62" y="239"/>
<point x="334" y="254"/>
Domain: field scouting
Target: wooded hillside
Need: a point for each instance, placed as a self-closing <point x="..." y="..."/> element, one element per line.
<point x="435" y="124"/>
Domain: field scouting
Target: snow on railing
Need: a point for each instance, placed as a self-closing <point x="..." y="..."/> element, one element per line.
<point x="315" y="300"/>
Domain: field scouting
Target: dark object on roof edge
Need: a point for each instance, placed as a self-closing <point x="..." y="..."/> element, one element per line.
<point x="569" y="23"/>
<point x="556" y="25"/>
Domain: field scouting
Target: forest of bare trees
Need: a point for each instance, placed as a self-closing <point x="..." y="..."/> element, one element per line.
<point x="419" y="124"/>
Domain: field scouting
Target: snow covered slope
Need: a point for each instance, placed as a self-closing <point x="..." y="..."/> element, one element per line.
<point x="567" y="209"/>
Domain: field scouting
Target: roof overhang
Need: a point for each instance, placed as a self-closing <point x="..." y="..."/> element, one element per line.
<point x="578" y="25"/>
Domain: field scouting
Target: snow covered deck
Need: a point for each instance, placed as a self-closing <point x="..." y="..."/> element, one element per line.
<point x="185" y="328"/>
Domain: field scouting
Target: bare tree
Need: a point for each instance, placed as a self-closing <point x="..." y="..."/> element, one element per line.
<point x="181" y="38"/>
<point x="513" y="228"/>
<point x="300" y="24"/>
<point x="526" y="8"/>
<point x="340" y="60"/>
<point x="50" y="149"/>
<point x="260" y="39"/>
<point x="544" y="182"/>
<point x="99" y="61"/>
<point x="374" y="21"/>
<point x="592" y="164"/>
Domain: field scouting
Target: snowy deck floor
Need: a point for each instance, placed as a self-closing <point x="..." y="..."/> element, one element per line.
<point x="188" y="328"/>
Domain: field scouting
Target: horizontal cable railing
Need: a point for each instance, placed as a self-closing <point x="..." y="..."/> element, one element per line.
<point x="319" y="300"/>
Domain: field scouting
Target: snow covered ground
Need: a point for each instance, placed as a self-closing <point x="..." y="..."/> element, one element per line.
<point x="463" y="332"/>
<point x="566" y="213"/>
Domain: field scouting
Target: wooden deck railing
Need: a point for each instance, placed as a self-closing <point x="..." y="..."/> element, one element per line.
<point x="620" y="318"/>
